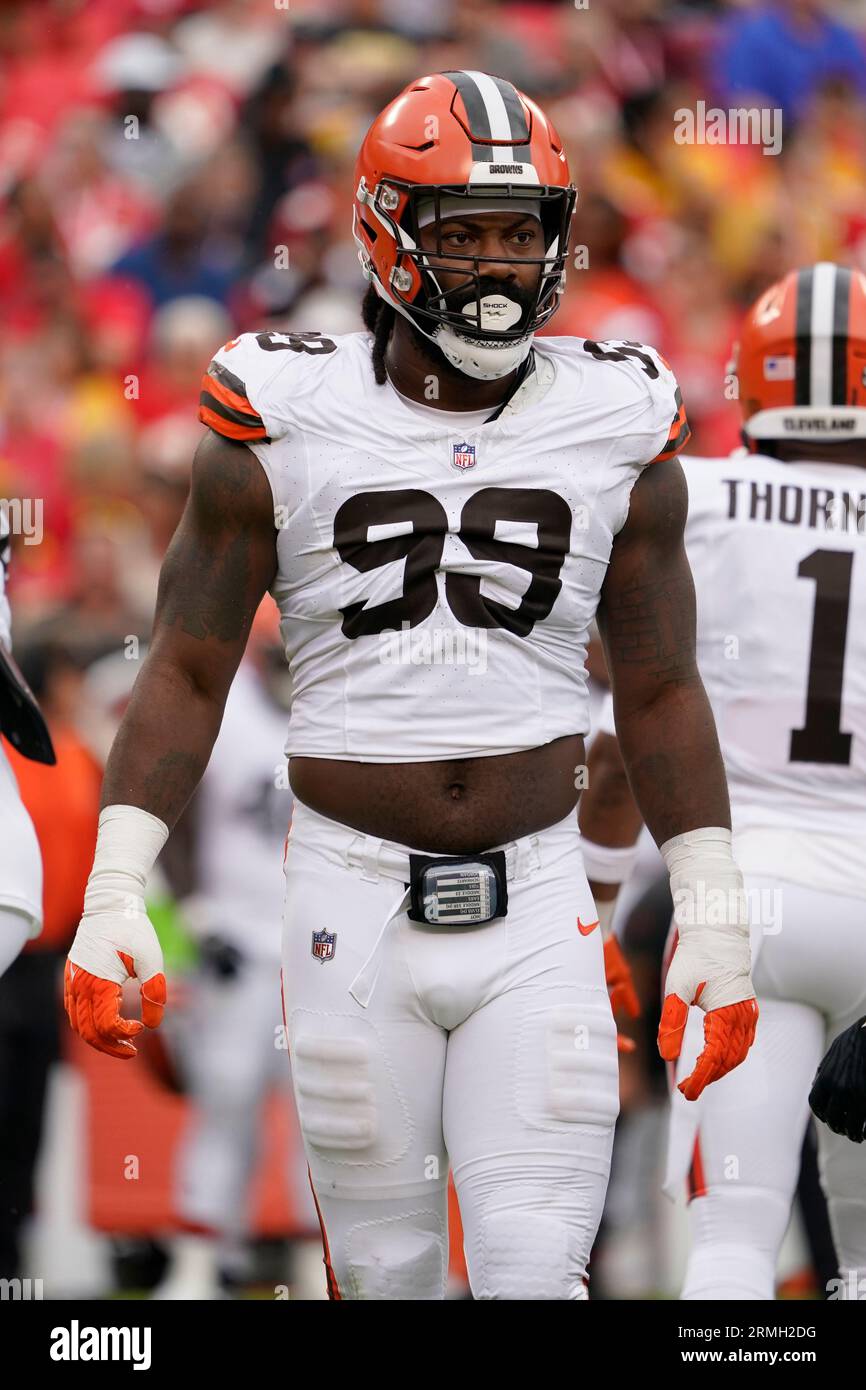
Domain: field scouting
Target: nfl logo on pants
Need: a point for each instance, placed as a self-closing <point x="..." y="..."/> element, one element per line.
<point x="324" y="945"/>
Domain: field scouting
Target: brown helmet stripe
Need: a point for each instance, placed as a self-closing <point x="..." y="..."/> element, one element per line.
<point x="803" y="335"/>
<point x="495" y="115"/>
<point x="841" y="316"/>
<point x="476" y="115"/>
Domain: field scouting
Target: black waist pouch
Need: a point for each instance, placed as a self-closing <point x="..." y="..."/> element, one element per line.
<point x="458" y="890"/>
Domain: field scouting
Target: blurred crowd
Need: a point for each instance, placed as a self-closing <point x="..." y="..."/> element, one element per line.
<point x="173" y="172"/>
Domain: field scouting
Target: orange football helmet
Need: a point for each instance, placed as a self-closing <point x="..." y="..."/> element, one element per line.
<point x="801" y="359"/>
<point x="460" y="136"/>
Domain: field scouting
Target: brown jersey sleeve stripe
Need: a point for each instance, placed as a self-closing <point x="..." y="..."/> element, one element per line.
<point x="678" y="435"/>
<point x="233" y="407"/>
<point x="228" y="404"/>
<point x="229" y="389"/>
<point x="230" y="423"/>
<point x="230" y="412"/>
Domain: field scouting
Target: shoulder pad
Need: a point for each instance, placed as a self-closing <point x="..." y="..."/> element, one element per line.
<point x="668" y="413"/>
<point x="235" y="396"/>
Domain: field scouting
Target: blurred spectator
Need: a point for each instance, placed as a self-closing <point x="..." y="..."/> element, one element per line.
<point x="179" y="260"/>
<point x="132" y="72"/>
<point x="184" y="335"/>
<point x="166" y="450"/>
<point x="282" y="155"/>
<point x="98" y="212"/>
<point x="235" y="40"/>
<point x="602" y="299"/>
<point x="781" y="54"/>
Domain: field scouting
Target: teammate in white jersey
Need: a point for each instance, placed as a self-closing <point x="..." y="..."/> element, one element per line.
<point x="229" y="1041"/>
<point x="439" y="508"/>
<point x="21" y="722"/>
<point x="776" y="537"/>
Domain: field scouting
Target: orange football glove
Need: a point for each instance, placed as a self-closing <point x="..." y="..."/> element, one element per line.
<point x="711" y="964"/>
<point x="620" y="987"/>
<point x="729" y="1032"/>
<point x="109" y="948"/>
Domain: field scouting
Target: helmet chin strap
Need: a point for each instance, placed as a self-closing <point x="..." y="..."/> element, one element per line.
<point x="472" y="356"/>
<point x="480" y="360"/>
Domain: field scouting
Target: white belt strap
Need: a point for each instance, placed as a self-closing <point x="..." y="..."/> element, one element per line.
<point x="361" y="988"/>
<point x="377" y="861"/>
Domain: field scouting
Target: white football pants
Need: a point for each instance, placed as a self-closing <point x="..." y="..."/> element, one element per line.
<point x="739" y="1143"/>
<point x="233" y="1051"/>
<point x="490" y="1047"/>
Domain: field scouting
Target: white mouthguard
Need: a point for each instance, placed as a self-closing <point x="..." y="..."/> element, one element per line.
<point x="497" y="313"/>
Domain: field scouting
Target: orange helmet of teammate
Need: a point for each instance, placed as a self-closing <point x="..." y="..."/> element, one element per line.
<point x="456" y="143"/>
<point x="801" y="359"/>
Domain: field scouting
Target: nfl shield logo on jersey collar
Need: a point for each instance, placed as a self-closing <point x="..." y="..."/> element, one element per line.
<point x="324" y="945"/>
<point x="463" y="455"/>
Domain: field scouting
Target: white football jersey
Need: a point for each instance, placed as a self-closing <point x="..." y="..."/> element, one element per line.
<point x="244" y="808"/>
<point x="778" y="552"/>
<point x="437" y="581"/>
<point x="5" y="611"/>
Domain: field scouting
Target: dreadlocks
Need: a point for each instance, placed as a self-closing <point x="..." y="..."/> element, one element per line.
<point x="379" y="318"/>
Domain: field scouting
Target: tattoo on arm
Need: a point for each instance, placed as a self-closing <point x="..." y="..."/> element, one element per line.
<point x="221" y="561"/>
<point x="207" y="583"/>
<point x="648" y="623"/>
<point x="168" y="782"/>
<point x="652" y="626"/>
<point x="208" y="600"/>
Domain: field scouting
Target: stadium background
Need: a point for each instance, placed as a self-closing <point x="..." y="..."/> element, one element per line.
<point x="173" y="172"/>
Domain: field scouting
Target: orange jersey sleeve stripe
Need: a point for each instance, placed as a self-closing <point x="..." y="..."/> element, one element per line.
<point x="219" y="421"/>
<point x="234" y="400"/>
<point x="224" y="395"/>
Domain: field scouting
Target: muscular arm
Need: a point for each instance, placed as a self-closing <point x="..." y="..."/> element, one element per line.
<point x="220" y="562"/>
<point x="607" y="813"/>
<point x="647" y="621"/>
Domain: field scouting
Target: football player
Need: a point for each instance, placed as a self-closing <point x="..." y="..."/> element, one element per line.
<point x="776" y="537"/>
<point x="439" y="507"/>
<point x="21" y="722"/>
<point x="228" y="1042"/>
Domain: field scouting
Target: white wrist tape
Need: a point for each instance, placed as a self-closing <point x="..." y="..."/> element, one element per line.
<point x="128" y="842"/>
<point x="706" y="884"/>
<point x="712" y="918"/>
<point x="606" y="865"/>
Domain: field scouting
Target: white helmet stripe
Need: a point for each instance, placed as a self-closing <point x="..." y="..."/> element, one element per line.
<point x="497" y="116"/>
<point x="821" y="331"/>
